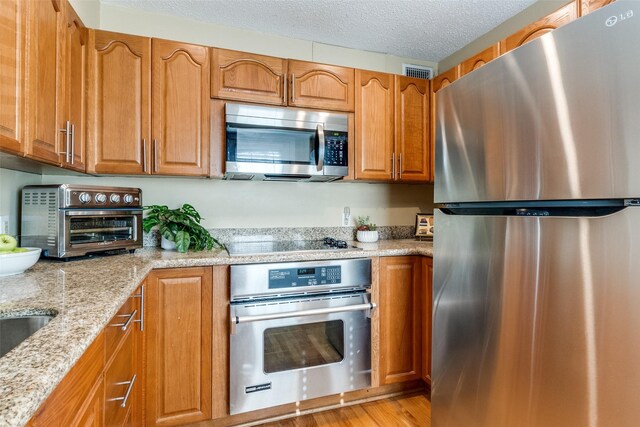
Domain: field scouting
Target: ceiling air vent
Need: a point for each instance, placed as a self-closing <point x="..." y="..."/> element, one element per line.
<point x="417" y="71"/>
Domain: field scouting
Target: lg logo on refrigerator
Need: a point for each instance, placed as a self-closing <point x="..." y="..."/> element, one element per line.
<point x="613" y="20"/>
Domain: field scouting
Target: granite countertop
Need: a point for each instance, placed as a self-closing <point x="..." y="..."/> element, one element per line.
<point x="87" y="293"/>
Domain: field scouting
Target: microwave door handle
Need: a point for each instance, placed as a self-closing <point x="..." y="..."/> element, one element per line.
<point x="321" y="146"/>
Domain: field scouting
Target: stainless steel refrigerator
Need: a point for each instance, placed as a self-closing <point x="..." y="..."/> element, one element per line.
<point x="537" y="244"/>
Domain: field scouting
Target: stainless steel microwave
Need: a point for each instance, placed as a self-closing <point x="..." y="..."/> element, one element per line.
<point x="283" y="144"/>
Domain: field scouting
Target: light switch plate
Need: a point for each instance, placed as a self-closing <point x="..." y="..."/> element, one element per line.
<point x="4" y="224"/>
<point x="346" y="216"/>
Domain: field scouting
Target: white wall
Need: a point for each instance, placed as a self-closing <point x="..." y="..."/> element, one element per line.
<point x="11" y="182"/>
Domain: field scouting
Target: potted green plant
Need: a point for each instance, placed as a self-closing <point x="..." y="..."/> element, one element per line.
<point x="180" y="228"/>
<point x="367" y="231"/>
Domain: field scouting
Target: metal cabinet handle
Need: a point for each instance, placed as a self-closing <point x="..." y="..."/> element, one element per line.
<point x="356" y="307"/>
<point x="293" y="88"/>
<point x="141" y="319"/>
<point x="393" y="165"/>
<point x="284" y="90"/>
<point x="125" y="398"/>
<point x="400" y="167"/>
<point x="155" y="155"/>
<point x="73" y="143"/>
<point x="130" y="318"/>
<point x="67" y="132"/>
<point x="144" y="154"/>
<point x="321" y="146"/>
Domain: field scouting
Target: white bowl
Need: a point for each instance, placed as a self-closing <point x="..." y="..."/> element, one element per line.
<point x="16" y="263"/>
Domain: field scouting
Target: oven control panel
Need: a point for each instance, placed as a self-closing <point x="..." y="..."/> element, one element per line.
<point x="307" y="276"/>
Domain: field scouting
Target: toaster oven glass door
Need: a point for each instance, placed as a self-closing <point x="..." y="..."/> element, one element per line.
<point x="99" y="229"/>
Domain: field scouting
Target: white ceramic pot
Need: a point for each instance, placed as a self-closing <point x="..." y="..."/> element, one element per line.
<point x="167" y="244"/>
<point x="367" y="236"/>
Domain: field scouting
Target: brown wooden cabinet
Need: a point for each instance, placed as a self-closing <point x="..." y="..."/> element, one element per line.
<point x="74" y="104"/>
<point x="242" y="76"/>
<point x="392" y="127"/>
<point x="427" y="316"/>
<point x="46" y="27"/>
<point x="321" y="86"/>
<point x="478" y="60"/>
<point x="400" y="331"/>
<point x="541" y="27"/>
<point x="119" y="104"/>
<point x="412" y="134"/>
<point x="12" y="64"/>
<point x="374" y="142"/>
<point x="445" y="78"/>
<point x="178" y="346"/>
<point x="180" y="108"/>
<point x="588" y="6"/>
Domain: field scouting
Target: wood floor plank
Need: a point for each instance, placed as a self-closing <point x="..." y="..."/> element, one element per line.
<point x="408" y="410"/>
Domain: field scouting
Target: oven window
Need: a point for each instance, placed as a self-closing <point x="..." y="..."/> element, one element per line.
<point x="101" y="229"/>
<point x="246" y="143"/>
<point x="303" y="346"/>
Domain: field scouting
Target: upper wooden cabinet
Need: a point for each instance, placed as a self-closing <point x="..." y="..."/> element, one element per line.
<point x="588" y="6"/>
<point x="178" y="346"/>
<point x="321" y="86"/>
<point x="477" y="61"/>
<point x="119" y="103"/>
<point x="400" y="289"/>
<point x="74" y="102"/>
<point x="180" y="108"/>
<point x="445" y="78"/>
<point x="541" y="27"/>
<point x="46" y="28"/>
<point x="392" y="127"/>
<point x="242" y="76"/>
<point x="412" y="140"/>
<point x="12" y="61"/>
<point x="375" y="94"/>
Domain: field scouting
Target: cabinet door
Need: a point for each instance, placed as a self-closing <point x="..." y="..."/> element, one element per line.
<point x="444" y="79"/>
<point x="588" y="6"/>
<point x="178" y="334"/>
<point x="121" y="383"/>
<point x="244" y="76"/>
<point x="180" y="108"/>
<point x="12" y="61"/>
<point x="427" y="304"/>
<point x="321" y="86"/>
<point x="119" y="105"/>
<point x="400" y="319"/>
<point x="541" y="27"/>
<point x="478" y="60"/>
<point x="92" y="413"/>
<point x="45" y="21"/>
<point x="412" y="142"/>
<point x="74" y="102"/>
<point x="374" y="126"/>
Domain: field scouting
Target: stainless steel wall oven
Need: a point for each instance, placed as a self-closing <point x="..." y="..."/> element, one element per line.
<point x="75" y="220"/>
<point x="299" y="331"/>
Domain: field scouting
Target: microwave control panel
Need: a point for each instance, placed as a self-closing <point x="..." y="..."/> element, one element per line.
<point x="307" y="276"/>
<point x="335" y="148"/>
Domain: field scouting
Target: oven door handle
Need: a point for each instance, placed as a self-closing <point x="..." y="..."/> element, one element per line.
<point x="369" y="306"/>
<point x="321" y="146"/>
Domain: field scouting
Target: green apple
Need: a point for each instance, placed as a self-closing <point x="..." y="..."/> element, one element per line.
<point x="7" y="242"/>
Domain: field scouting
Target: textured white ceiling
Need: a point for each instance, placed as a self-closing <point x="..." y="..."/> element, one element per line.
<point x="423" y="29"/>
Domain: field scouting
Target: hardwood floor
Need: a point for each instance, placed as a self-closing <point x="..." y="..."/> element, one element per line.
<point x="407" y="410"/>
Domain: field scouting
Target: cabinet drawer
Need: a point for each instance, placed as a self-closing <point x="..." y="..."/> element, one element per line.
<point x="121" y="383"/>
<point x="124" y="320"/>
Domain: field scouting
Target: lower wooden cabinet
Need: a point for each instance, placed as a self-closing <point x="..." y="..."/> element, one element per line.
<point x="178" y="346"/>
<point x="400" y="333"/>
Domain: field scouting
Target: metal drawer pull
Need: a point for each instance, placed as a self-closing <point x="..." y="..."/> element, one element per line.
<point x="126" y="395"/>
<point x="73" y="142"/>
<point x="67" y="132"/>
<point x="141" y="296"/>
<point x="126" y="324"/>
<point x="312" y="312"/>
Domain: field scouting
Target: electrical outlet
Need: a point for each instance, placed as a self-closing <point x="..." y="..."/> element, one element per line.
<point x="4" y="224"/>
<point x="346" y="216"/>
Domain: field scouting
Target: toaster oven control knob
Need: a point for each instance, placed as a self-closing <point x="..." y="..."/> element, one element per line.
<point x="128" y="199"/>
<point x="101" y="198"/>
<point x="114" y="198"/>
<point x="84" y="198"/>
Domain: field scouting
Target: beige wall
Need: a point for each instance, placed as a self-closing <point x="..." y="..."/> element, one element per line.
<point x="531" y="14"/>
<point x="10" y="184"/>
